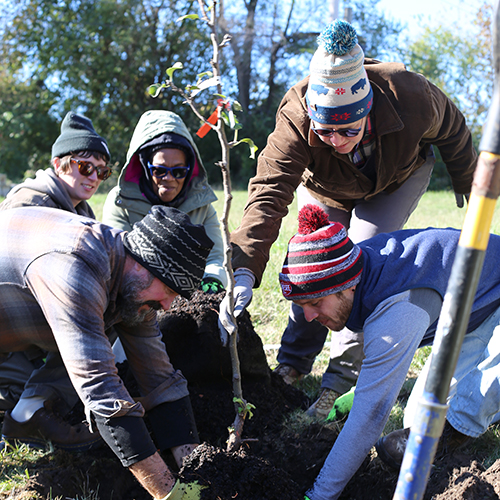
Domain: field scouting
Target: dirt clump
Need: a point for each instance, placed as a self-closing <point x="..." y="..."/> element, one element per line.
<point x="278" y="460"/>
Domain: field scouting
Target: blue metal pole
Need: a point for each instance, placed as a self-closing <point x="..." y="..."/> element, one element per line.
<point x="420" y="449"/>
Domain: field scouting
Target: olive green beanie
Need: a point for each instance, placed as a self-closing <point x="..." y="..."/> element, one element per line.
<point x="78" y="134"/>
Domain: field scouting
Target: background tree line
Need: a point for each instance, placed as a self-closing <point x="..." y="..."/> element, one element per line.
<point x="99" y="56"/>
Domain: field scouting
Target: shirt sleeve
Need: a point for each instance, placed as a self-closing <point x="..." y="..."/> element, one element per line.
<point x="280" y="168"/>
<point x="392" y="334"/>
<point x="74" y="299"/>
<point x="449" y="132"/>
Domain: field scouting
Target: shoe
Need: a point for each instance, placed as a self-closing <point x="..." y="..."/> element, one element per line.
<point x="44" y="427"/>
<point x="391" y="448"/>
<point x="322" y="407"/>
<point x="288" y="373"/>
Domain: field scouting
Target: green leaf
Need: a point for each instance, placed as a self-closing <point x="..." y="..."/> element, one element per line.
<point x="251" y="145"/>
<point x="200" y="76"/>
<point x="237" y="106"/>
<point x="204" y="84"/>
<point x="176" y="66"/>
<point x="155" y="89"/>
<point x="188" y="16"/>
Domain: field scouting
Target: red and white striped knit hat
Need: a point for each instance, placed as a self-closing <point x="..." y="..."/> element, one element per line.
<point x="321" y="259"/>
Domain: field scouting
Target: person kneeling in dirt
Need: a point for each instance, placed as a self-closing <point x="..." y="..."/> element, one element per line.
<point x="391" y="288"/>
<point x="65" y="290"/>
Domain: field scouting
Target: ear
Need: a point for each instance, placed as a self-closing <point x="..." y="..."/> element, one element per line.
<point x="132" y="266"/>
<point x="56" y="163"/>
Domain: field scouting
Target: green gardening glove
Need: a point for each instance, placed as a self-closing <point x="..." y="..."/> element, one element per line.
<point x="342" y="406"/>
<point x="211" y="285"/>
<point x="185" y="491"/>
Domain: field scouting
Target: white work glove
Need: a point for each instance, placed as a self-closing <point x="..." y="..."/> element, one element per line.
<point x="244" y="280"/>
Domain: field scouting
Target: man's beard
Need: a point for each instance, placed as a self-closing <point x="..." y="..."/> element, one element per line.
<point x="338" y="322"/>
<point x="128" y="303"/>
<point x="345" y="308"/>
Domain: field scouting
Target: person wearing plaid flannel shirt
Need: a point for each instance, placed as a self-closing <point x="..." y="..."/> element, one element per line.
<point x="65" y="281"/>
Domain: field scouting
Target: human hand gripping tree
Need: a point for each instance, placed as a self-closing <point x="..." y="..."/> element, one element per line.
<point x="221" y="118"/>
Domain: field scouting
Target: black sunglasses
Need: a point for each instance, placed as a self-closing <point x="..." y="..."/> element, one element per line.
<point x="344" y="132"/>
<point x="86" y="168"/>
<point x="159" y="171"/>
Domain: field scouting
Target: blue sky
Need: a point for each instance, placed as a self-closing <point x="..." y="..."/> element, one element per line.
<point x="459" y="13"/>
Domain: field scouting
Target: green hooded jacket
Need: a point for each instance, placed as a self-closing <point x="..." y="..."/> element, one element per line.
<point x="126" y="204"/>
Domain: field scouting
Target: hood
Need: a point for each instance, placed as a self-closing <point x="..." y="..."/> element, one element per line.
<point x="46" y="182"/>
<point x="151" y="125"/>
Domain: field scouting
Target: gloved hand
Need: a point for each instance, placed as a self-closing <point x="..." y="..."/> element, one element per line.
<point x="459" y="198"/>
<point x="341" y="407"/>
<point x="184" y="491"/>
<point x="244" y="280"/>
<point x="211" y="285"/>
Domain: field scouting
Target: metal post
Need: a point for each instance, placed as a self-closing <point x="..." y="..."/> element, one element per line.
<point x="334" y="10"/>
<point x="455" y="313"/>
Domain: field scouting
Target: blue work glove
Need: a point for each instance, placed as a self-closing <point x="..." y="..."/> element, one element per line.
<point x="244" y="280"/>
<point x="211" y="285"/>
<point x="184" y="491"/>
<point x="459" y="198"/>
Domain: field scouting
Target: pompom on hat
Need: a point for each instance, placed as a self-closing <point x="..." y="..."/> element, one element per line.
<point x="321" y="259"/>
<point x="339" y="91"/>
<point x="170" y="247"/>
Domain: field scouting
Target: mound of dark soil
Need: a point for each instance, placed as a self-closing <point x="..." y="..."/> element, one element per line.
<point x="274" y="462"/>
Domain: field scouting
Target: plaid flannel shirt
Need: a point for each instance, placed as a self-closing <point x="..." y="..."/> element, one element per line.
<point x="60" y="276"/>
<point x="365" y="147"/>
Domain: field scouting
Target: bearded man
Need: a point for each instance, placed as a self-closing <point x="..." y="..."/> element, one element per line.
<point x="66" y="283"/>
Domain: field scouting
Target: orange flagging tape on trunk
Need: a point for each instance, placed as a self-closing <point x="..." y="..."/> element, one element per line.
<point x="205" y="128"/>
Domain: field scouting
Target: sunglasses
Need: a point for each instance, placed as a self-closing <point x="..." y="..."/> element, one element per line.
<point x="159" y="171"/>
<point x="344" y="132"/>
<point x="86" y="168"/>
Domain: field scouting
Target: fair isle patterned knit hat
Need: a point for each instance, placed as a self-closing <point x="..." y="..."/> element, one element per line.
<point x="321" y="259"/>
<point x="170" y="247"/>
<point x="339" y="91"/>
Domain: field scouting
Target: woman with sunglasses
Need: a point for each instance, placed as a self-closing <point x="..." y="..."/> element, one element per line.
<point x="80" y="158"/>
<point x="37" y="382"/>
<point x="163" y="167"/>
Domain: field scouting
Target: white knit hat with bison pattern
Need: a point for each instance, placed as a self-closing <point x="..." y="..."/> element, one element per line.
<point x="339" y="91"/>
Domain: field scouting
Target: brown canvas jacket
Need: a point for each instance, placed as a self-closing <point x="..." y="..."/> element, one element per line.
<point x="409" y="114"/>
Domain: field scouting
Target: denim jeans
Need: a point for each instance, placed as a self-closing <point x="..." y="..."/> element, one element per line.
<point x="302" y="341"/>
<point x="474" y="398"/>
